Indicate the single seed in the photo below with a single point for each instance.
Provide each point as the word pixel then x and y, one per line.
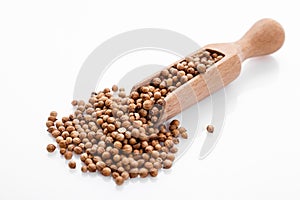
pixel 117 144
pixel 106 171
pixel 191 64
pixel 62 151
pixel 125 175
pixel 167 164
pixel 122 130
pixel 134 172
pixel 58 139
pixel 92 167
pixel 88 161
pixel 72 164
pixel 55 133
pixel 115 175
pixel 84 169
pixel 175 122
pixel 71 147
pixel 210 128
pixel 153 172
pixel 119 180
pixel 68 155
pixel 201 68
pixel 183 79
pixel 106 155
pixel 111 127
pixel 77 150
pixel 100 165
pixel 148 165
pixel 157 165
pixel 74 102
pixel 184 135
pixel 147 105
pixel 170 156
pixel 51 148
pixel 63 144
pixel 114 88
pixel 143 172
pixel 127 149
pixel 156 82
pixel 53 113
pixel 157 95
pixel 165 73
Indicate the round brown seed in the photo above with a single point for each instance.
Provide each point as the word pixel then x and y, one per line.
pixel 68 155
pixel 77 150
pixel 84 169
pixel 210 128
pixel 53 113
pixel 92 167
pixel 147 105
pixel 167 164
pixel 125 175
pixel 106 171
pixel 119 180
pixel 117 144
pixel 62 151
pixel 115 175
pixel 153 172
pixel 72 164
pixel 184 135
pixel 143 172
pixel 127 148
pixel 51 148
pixel 134 172
pixel 114 88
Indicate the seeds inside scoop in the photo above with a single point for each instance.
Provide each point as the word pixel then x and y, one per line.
pixel 117 135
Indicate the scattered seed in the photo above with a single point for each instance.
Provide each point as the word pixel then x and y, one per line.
pixel 114 88
pixel 72 164
pixel 51 148
pixel 210 128
pixel 119 180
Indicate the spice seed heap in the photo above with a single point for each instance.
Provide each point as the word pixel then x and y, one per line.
pixel 117 135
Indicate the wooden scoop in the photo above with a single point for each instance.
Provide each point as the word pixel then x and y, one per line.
pixel 264 37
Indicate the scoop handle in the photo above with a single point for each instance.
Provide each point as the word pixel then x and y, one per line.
pixel 264 37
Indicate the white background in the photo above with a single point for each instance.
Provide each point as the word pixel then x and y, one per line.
pixel 42 47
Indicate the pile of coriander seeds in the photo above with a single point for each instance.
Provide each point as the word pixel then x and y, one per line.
pixel 118 135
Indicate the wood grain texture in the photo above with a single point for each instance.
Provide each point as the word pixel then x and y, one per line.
pixel 264 37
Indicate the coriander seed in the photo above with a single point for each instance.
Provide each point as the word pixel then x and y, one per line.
pixel 51 148
pixel 92 167
pixel 119 180
pixel 114 88
pixel 53 113
pixel 167 164
pixel 106 171
pixel 143 172
pixel 210 128
pixel 72 164
pixel 153 172
pixel 68 155
pixel 84 169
